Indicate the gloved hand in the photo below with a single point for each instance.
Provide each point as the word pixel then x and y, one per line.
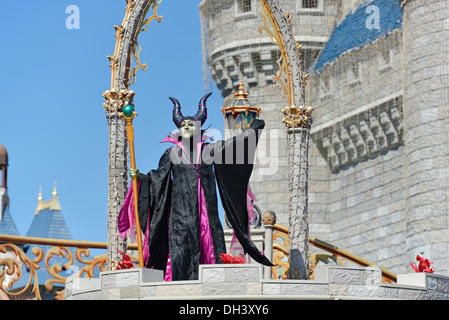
pixel 257 124
pixel 134 173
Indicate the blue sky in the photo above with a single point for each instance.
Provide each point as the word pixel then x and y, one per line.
pixel 52 120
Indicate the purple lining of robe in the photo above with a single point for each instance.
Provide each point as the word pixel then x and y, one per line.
pixel 126 220
pixel 206 245
pixel 235 248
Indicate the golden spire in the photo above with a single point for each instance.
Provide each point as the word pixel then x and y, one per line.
pixel 52 204
pixel 39 202
pixel 55 191
pixel 39 197
pixel 241 93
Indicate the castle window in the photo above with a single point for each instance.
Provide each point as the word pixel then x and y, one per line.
pixel 385 58
pixel 2 179
pixel 325 86
pixel 244 10
pixel 355 70
pixel 354 73
pixel 309 4
pixel 244 6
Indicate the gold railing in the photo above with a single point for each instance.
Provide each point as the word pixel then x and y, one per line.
pixel 13 259
pixel 11 264
pixel 280 255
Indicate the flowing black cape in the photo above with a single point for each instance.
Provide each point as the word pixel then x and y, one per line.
pixel 168 199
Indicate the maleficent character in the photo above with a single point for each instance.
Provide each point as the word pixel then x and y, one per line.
pixel 177 202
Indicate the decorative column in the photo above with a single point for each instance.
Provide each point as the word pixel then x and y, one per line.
pixel 268 220
pixel 298 121
pixel 123 74
pixel 118 168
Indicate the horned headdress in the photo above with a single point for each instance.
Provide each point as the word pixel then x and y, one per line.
pixel 200 116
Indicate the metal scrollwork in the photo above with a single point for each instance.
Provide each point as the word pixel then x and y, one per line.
pixel 280 255
pixel 99 261
pixel 14 262
pixel 14 267
pixel 55 269
pixel 289 63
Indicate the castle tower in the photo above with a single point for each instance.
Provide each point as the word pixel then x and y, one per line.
pixel 426 119
pixel 48 221
pixel 235 51
pixel 7 225
pixel 3 179
pixel 3 166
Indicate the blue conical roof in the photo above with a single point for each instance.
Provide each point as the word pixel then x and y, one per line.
pixel 49 224
pixel 7 224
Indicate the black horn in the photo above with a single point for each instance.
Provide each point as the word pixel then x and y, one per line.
pixel 177 114
pixel 201 115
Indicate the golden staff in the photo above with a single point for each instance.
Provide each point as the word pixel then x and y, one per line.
pixel 128 113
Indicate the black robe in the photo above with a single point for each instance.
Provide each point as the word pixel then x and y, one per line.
pixel 169 200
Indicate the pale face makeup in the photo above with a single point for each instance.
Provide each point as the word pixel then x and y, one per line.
pixel 188 129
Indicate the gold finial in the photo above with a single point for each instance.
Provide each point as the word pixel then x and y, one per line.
pixel 269 218
pixel 239 105
pixel 39 197
pixel 39 201
pixel 55 191
pixel 54 203
pixel 241 93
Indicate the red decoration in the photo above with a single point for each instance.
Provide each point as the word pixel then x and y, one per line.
pixel 125 263
pixel 228 259
pixel 424 265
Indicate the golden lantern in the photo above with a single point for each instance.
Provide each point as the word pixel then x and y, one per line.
pixel 240 113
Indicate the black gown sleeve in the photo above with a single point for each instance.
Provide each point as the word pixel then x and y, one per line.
pixel 233 164
pixel 153 205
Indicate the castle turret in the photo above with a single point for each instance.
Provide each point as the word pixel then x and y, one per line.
pixel 426 135
pixel 3 166
pixel 7 225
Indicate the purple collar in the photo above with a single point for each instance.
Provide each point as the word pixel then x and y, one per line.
pixel 199 144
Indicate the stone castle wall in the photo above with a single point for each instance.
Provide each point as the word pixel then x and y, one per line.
pixel 356 165
pixel 378 163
